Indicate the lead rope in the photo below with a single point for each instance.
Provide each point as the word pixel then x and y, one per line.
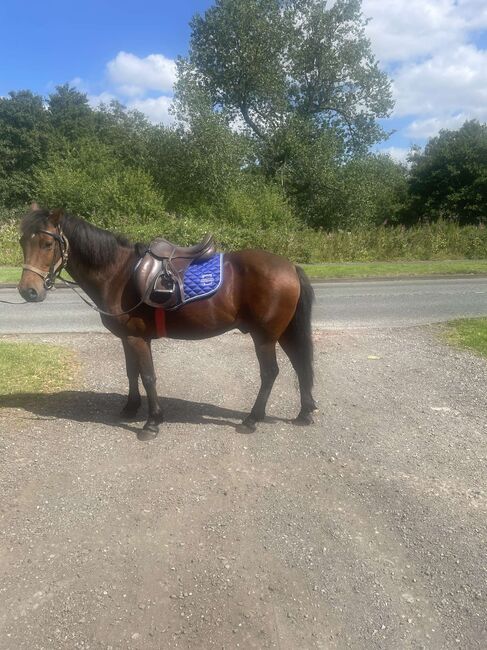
pixel 9 302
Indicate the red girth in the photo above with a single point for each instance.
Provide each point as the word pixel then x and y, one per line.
pixel 160 319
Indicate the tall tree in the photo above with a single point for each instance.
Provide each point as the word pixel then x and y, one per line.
pixel 265 61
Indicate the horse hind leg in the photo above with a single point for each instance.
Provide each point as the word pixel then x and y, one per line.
pixel 305 377
pixel 266 355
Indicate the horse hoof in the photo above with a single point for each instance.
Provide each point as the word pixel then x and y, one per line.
pixel 149 432
pixel 128 413
pixel 303 420
pixel 246 427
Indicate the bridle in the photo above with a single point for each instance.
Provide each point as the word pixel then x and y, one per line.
pixel 55 269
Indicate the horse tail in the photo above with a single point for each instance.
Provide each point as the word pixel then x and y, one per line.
pixel 301 325
pixel 297 340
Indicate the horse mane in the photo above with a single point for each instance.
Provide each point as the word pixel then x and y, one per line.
pixel 92 245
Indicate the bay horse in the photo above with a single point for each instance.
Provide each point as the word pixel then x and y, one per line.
pixel 262 294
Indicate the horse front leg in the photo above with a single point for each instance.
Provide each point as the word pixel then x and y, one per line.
pixel 132 365
pixel 141 349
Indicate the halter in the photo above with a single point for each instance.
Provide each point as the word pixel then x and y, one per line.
pixel 55 269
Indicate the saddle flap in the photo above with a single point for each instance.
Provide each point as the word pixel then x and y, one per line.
pixel 146 273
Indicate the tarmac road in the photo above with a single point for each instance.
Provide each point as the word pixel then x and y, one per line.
pixel 339 305
pixel 365 531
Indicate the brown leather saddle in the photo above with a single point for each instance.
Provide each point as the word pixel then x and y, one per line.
pixel 159 275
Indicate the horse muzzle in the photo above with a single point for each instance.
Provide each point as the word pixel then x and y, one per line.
pixel 31 294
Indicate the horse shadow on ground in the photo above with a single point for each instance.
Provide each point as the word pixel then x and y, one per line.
pixel 104 408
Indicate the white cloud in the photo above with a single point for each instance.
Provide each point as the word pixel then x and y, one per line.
pixel 403 30
pixel 156 109
pixel 448 85
pixel 474 12
pixel 136 76
pixel 439 74
pixel 77 82
pixel 399 154
pixel 131 79
pixel 429 127
pixel 102 98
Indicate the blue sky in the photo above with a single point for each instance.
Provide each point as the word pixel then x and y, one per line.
pixel 50 42
pixel 434 50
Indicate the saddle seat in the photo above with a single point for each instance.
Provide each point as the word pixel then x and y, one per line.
pixel 159 276
pixel 163 249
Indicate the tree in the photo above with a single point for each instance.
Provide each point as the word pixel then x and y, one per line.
pixel 24 136
pixel 197 166
pixel 374 190
pixel 449 178
pixel 127 132
pixel 265 61
pixel 70 114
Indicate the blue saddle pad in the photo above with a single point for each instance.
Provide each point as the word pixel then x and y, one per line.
pixel 203 279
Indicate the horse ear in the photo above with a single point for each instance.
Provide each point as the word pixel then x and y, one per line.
pixel 55 216
pixel 34 206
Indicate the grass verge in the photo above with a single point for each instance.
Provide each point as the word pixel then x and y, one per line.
pixel 470 333
pixel 394 269
pixel 34 368
pixel 11 275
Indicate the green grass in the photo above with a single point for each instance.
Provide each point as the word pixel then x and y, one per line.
pixel 469 333
pixel 11 275
pixel 394 269
pixel 34 368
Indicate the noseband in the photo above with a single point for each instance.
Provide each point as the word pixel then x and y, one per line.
pixel 55 269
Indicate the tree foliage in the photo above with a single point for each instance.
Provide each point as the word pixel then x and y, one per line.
pixel 24 139
pixel 277 110
pixel 299 78
pixel 449 178
pixel 266 61
pixel 86 178
pixel 197 166
pixel 70 114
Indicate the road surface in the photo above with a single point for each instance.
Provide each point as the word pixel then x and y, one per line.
pixel 339 305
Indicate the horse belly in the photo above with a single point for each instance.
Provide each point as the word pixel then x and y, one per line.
pixel 199 320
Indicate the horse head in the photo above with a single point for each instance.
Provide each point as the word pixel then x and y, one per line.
pixel 45 252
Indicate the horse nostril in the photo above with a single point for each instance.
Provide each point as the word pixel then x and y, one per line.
pixel 31 294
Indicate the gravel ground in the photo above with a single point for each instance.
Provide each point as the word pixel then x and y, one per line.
pixel 367 530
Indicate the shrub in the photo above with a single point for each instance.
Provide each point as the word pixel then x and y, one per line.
pixel 88 180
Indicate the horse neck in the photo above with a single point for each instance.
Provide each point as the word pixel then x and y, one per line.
pixel 96 258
